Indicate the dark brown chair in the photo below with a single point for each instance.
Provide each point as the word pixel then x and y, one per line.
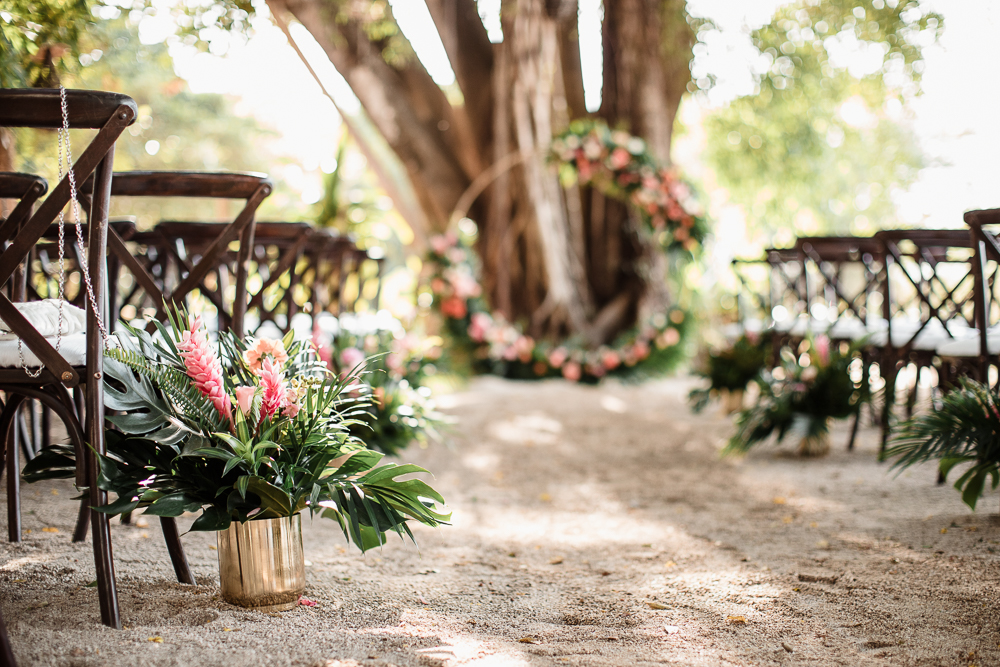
pixel 110 114
pixel 986 265
pixel 6 653
pixel 175 259
pixel 928 288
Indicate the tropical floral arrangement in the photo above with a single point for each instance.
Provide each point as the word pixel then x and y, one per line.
pixel 400 409
pixel 965 429
pixel 496 346
pixel 620 165
pixel 240 432
pixel 802 396
pixel 732 369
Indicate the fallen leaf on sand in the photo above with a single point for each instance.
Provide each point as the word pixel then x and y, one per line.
pixel 669 564
pixel 213 548
pixel 656 605
pixel 156 640
pixel 787 519
pixel 48 529
pixel 671 629
pixel 737 619
pixel 556 561
pixel 528 640
pixel 779 500
pixel 943 530
pixel 545 498
pixel 55 492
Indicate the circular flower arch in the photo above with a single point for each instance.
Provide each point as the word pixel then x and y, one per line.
pixel 618 164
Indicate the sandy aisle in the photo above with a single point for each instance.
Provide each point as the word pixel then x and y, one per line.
pixel 593 526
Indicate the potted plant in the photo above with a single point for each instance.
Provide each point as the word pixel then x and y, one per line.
pixel 965 429
pixel 802 396
pixel 249 437
pixel 730 371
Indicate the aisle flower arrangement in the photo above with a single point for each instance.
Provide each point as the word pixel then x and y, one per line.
pixel 400 409
pixel 963 432
pixel 729 371
pixel 621 166
pixel 502 348
pixel 242 432
pixel 802 396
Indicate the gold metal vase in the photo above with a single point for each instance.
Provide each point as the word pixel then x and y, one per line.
pixel 261 564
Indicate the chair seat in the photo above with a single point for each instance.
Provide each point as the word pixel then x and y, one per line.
pixel 734 330
pixel 968 346
pixel 930 338
pixel 73 349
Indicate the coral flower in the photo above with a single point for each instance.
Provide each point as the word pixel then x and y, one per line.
pixel 204 368
pixel 454 308
pixel 244 398
pixel 263 348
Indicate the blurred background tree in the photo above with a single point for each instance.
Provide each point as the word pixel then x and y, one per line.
pixel 817 145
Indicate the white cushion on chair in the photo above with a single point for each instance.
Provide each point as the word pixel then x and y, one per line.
pixel 968 346
pixel 44 316
pixel 73 349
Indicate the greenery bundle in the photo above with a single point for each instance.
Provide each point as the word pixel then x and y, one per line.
pixel 227 435
pixel 964 429
pixel 732 369
pixel 801 395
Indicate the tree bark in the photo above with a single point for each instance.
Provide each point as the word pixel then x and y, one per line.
pixel 565 261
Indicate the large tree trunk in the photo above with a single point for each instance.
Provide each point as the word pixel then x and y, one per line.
pixel 563 261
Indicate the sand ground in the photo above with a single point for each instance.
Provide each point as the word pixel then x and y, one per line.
pixel 592 526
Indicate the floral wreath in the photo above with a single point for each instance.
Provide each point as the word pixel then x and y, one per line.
pixel 619 165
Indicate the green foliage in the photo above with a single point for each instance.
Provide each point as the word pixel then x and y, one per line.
pixel 732 369
pixel 174 452
pixel 793 152
pixel 965 429
pixel 38 38
pixel 801 397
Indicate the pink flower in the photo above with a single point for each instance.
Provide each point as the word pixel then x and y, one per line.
pixel 572 371
pixel 557 357
pixel 619 158
pixel 350 358
pixel 611 360
pixel 263 348
pixel 244 398
pixel 273 382
pixel 290 407
pixel 823 350
pixel 479 327
pixel 204 368
pixel 440 244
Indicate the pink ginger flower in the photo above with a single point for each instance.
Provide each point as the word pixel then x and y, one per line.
pixel 204 368
pixel 273 382
pixel 557 357
pixel 479 327
pixel 572 371
pixel 619 158
pixel 262 349
pixel 823 350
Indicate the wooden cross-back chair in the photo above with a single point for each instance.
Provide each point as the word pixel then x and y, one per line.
pixel 26 190
pixel 986 265
pixel 841 276
pixel 928 288
pixel 173 260
pixel 109 114
pixel 332 258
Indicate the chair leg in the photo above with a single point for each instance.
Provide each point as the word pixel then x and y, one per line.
pixel 854 430
pixel 82 521
pixel 6 652
pixel 13 467
pixel 890 399
pixel 173 539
